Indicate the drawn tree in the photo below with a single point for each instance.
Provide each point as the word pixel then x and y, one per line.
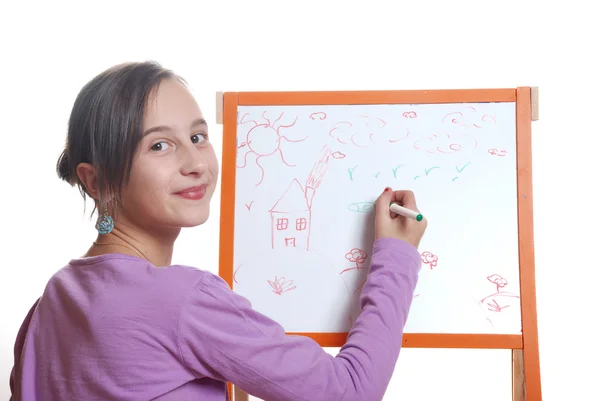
pixel 498 280
pixel 358 256
pixel 496 302
pixel 429 259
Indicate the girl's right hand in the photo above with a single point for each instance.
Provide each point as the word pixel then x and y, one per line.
pixel 391 225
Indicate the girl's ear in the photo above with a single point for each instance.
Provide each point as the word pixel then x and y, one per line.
pixel 88 177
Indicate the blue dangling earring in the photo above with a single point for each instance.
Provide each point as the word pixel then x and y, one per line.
pixel 105 224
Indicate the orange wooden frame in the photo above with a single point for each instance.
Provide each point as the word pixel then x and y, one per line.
pixel 528 340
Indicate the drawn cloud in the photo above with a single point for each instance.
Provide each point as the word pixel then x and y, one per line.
pixel 361 131
pixel 445 143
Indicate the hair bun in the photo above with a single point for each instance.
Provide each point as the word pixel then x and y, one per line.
pixel 63 169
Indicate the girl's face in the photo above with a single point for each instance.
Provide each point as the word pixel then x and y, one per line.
pixel 175 170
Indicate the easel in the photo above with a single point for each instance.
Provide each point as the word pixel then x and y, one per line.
pixel 526 381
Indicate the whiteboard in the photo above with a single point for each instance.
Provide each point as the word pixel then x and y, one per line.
pixel 306 181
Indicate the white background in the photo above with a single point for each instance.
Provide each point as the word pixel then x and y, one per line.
pixel 49 50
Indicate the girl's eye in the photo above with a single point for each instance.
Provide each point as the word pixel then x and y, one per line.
pixel 159 146
pixel 199 138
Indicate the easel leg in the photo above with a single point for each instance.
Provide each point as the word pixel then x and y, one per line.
pixel 239 394
pixel 518 375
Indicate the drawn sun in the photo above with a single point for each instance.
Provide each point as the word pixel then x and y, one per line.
pixel 264 140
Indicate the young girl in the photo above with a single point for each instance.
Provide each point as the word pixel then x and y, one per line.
pixel 122 323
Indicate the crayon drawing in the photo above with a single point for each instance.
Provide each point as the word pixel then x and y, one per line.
pixel 307 182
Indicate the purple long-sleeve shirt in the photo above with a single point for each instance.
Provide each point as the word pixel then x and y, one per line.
pixel 114 327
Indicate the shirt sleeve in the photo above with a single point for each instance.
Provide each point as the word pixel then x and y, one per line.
pixel 18 349
pixel 223 338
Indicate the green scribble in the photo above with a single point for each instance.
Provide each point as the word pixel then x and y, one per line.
pixel 377 175
pixel 395 169
pixel 462 168
pixel 428 170
pixel 416 176
pixel 361 207
pixel 351 171
pixel 455 178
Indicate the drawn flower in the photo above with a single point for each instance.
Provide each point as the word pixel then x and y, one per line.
pixel 429 259
pixel 498 280
pixel 280 285
pixel 357 256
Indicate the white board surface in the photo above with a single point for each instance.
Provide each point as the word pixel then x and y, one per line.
pixel 306 180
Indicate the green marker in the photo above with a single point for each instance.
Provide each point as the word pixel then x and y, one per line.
pixel 402 211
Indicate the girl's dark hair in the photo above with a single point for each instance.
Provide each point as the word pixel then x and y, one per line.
pixel 106 123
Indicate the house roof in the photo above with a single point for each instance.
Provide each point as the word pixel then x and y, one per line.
pixel 292 200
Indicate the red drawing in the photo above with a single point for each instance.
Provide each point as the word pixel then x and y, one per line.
pixel 445 143
pixel 355 277
pixel 361 133
pixel 319 115
pixel 488 118
pixel 338 155
pixel 264 140
pixel 469 118
pixel 291 214
pixel 376 121
pixel 497 152
pixel 409 114
pixel 235 273
pixel 356 284
pixel 429 259
pixel 400 138
pixel 355 255
pixel 249 205
pixel 496 302
pixel 281 285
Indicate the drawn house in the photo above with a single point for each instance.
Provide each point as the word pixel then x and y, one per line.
pixel 291 214
pixel 290 218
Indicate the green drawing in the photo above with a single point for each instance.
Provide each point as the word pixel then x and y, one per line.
pixel 462 168
pixel 351 171
pixel 428 170
pixel 395 169
pixel 361 207
pixel 377 175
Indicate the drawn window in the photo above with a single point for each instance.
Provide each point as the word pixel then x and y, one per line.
pixel 290 242
pixel 282 224
pixel 301 224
